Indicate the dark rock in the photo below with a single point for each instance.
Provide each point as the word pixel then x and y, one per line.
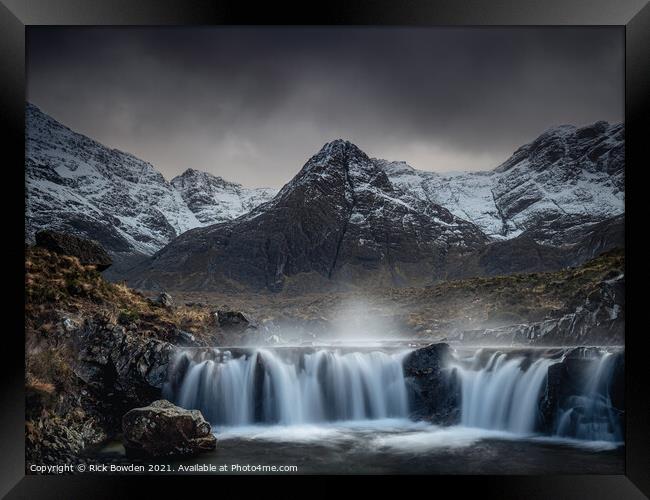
pixel 185 338
pixel 64 443
pixel 519 254
pixel 553 244
pixel 163 429
pixel 88 252
pixel 598 319
pixel 113 360
pixel 434 386
pixel 234 320
pixel 165 300
pixel 566 387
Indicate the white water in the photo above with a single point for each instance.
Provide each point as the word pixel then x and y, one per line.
pixel 502 395
pixel 505 394
pixel 323 386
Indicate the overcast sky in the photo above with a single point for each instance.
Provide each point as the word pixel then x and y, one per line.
pixel 253 104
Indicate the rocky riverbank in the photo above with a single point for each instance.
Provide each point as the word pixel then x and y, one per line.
pixel 94 350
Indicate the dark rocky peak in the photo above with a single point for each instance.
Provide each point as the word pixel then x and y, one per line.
pixel 340 219
pixel 596 148
pixel 337 154
pixel 340 148
pixel 339 166
pixel 545 149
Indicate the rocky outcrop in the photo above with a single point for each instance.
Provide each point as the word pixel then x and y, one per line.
pixel 434 387
pixel 599 319
pixel 574 242
pixel 237 320
pixel 184 338
pixel 102 370
pixel 123 368
pixel 163 429
pixel 165 300
pixel 52 440
pixel 87 251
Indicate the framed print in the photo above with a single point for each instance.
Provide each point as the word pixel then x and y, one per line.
pixel 375 241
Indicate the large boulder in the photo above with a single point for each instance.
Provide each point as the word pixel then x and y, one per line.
pixel 88 252
pixel 236 320
pixel 163 429
pixel 165 300
pixel 434 385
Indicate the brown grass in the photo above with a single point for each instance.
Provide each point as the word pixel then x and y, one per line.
pixel 55 283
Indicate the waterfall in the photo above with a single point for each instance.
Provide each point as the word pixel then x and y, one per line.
pixel 506 391
pixel 265 386
pixel 590 414
pixel 503 394
pixel 563 392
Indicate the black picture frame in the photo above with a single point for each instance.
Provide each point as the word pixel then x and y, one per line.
pixel 16 15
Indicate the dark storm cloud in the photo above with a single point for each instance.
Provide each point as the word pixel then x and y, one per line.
pixel 252 104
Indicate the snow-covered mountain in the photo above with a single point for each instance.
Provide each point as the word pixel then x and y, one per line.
pixel 76 184
pixel 348 219
pixel 339 219
pixel 213 199
pixel 344 218
pixel 565 178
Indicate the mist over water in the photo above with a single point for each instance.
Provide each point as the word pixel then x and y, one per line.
pixel 359 320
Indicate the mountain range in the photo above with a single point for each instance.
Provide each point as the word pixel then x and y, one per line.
pixel 345 219
pixel 75 184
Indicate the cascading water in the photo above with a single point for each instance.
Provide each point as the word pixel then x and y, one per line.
pixel 504 394
pixel 464 409
pixel 560 392
pixel 506 391
pixel 263 386
pixel 590 414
